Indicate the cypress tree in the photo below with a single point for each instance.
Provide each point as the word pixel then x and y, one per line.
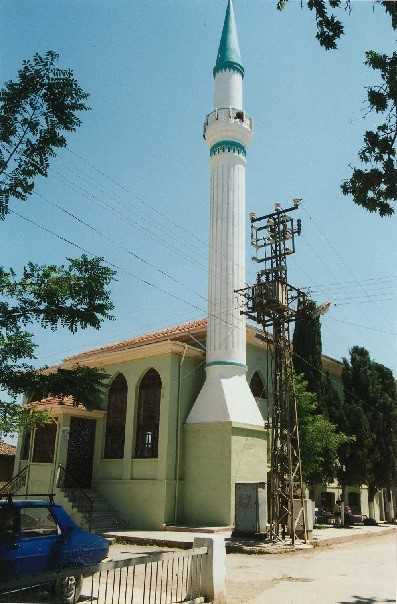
pixel 370 412
pixel 307 346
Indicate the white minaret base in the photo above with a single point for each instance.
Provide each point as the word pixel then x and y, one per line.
pixel 226 397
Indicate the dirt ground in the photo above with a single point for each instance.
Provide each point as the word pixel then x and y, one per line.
pixel 356 573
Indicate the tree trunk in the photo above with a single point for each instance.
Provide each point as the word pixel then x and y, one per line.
pixel 371 503
pixel 389 511
pixel 342 506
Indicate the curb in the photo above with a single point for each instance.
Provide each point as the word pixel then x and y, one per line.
pixel 267 550
pixel 238 548
pixel 148 541
pixel 351 538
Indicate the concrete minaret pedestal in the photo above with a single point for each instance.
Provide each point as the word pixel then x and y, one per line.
pixel 224 430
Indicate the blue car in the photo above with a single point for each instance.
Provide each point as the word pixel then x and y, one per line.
pixel 38 537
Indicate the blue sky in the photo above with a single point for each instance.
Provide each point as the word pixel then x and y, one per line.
pixel 137 169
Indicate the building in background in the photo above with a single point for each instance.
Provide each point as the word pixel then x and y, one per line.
pixel 7 459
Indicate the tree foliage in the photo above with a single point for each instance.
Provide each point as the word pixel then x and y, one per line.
pixel 307 360
pixel 366 413
pixel 320 440
pixel 319 403
pixel 71 296
pixel 36 111
pixel 307 345
pixel 373 183
pixel 371 416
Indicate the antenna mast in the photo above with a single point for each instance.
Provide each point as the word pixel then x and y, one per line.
pixel 273 303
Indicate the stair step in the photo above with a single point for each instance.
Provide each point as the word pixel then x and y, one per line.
pixel 103 518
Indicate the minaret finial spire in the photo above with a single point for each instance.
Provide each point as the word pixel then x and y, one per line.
pixel 229 56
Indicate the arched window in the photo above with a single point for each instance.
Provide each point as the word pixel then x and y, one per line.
pixel 258 389
pixel 257 386
pixel 148 417
pixel 115 422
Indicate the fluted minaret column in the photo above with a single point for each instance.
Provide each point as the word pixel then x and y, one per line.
pixel 227 131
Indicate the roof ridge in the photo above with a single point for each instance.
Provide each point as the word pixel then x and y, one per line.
pixel 144 338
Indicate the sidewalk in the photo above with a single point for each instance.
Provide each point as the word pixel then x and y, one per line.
pixel 329 536
pixel 184 539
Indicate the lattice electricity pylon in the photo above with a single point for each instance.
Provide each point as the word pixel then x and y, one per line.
pixel 272 302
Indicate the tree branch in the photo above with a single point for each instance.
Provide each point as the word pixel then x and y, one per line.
pixel 16 147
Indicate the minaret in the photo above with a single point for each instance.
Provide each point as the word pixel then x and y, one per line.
pixel 227 130
pixel 224 439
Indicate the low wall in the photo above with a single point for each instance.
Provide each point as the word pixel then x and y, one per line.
pixel 140 503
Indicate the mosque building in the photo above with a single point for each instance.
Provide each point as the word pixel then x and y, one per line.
pixel 187 412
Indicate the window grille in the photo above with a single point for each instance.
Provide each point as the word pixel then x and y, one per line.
pixel 116 417
pixel 148 415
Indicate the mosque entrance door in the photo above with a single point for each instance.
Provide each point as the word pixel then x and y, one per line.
pixel 80 452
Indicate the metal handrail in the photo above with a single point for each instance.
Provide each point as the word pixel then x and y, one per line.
pixel 67 482
pixel 230 113
pixel 16 483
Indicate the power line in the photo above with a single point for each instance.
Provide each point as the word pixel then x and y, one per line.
pixel 142 202
pixel 181 253
pixel 126 219
pixel 376 301
pixel 336 252
pixel 122 247
pixel 387 333
pixel 117 267
pixel 90 182
pixel 114 242
pixel 343 284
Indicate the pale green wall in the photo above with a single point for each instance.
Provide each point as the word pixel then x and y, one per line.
pixel 140 503
pixel 143 490
pixel 207 474
pixel 211 457
pixel 216 457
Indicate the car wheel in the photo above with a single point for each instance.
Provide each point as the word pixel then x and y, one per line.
pixel 67 590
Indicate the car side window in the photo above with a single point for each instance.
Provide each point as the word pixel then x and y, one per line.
pixel 37 522
pixel 7 522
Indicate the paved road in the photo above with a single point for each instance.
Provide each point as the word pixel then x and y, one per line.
pixel 358 573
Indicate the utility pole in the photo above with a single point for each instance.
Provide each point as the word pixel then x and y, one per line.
pixel 272 303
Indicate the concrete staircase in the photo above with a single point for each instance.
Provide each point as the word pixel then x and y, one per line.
pixel 103 519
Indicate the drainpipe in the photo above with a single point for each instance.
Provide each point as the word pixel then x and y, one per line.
pixel 54 475
pixel 30 456
pixel 178 434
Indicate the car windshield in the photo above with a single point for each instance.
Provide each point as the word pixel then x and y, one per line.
pixel 36 522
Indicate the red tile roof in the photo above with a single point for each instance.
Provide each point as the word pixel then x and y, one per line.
pixel 7 449
pixel 177 332
pixel 50 401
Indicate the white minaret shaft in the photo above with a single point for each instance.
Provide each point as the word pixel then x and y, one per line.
pixel 227 130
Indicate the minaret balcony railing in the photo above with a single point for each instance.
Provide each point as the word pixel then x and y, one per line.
pixel 227 116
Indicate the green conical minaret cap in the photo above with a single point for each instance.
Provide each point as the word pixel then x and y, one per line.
pixel 229 56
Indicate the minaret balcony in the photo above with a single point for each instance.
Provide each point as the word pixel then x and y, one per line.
pixel 227 123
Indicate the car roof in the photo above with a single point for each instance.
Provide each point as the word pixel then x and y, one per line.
pixel 25 503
